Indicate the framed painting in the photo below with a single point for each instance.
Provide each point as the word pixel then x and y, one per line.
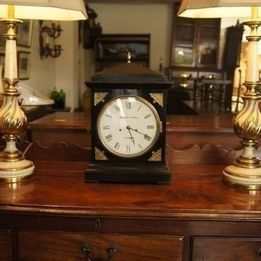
pixel 23 65
pixel 24 32
pixel 2 31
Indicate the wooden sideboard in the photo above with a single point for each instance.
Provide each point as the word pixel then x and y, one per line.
pixel 190 138
pixel 36 112
pixel 55 215
pixel 182 130
pixel 62 126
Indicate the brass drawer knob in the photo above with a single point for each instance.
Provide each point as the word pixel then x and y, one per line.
pixel 111 251
pixel 86 249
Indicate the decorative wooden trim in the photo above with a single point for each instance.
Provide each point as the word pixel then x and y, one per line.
pixel 206 154
pixel 57 151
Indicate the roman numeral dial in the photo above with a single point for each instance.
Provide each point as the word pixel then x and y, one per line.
pixel 128 126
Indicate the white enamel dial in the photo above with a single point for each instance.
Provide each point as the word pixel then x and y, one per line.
pixel 128 126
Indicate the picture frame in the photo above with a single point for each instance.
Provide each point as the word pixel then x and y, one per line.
pixel 24 65
pixel 2 58
pixel 24 32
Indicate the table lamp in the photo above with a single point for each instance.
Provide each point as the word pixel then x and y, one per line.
pixel 246 170
pixel 13 165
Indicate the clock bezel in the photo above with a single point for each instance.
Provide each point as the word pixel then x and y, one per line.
pixel 155 138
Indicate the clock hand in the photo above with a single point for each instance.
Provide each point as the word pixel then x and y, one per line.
pixel 131 137
pixel 146 136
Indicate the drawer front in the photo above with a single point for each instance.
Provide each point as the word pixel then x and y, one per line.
pixel 183 74
pixel 48 137
pixel 186 84
pixel 210 75
pixel 226 249
pixel 54 246
pixel 5 245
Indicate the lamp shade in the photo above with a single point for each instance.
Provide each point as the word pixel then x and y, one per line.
pixel 45 9
pixel 218 8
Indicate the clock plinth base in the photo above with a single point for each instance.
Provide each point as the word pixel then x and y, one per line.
pixel 143 174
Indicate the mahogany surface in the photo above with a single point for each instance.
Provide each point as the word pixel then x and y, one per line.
pixel 195 191
pixel 63 120
pixel 220 249
pixel 55 215
pixel 183 131
pixel 58 208
pixel 78 120
pixel 62 126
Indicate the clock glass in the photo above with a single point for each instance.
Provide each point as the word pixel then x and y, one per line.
pixel 128 126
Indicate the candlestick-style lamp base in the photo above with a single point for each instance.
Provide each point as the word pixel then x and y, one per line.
pixel 246 171
pixel 244 177
pixel 13 166
pixel 17 170
pixel 13 122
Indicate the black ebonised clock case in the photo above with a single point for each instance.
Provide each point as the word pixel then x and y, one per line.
pixel 128 79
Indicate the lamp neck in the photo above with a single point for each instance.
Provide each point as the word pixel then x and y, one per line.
pixel 254 13
pixel 252 70
pixel 11 11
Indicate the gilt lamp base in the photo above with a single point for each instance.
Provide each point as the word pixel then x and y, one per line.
pixel 16 170
pixel 249 178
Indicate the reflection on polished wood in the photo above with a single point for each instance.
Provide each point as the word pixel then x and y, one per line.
pixel 186 131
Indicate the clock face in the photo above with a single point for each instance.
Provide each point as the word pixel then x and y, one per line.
pixel 128 126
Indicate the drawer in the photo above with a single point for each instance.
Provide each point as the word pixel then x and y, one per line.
pixel 50 136
pixel 210 75
pixel 5 245
pixel 184 84
pixel 183 74
pixel 226 249
pixel 54 246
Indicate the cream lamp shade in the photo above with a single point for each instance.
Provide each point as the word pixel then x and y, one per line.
pixel 44 9
pixel 218 8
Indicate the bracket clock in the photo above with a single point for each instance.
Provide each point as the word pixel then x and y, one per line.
pixel 128 117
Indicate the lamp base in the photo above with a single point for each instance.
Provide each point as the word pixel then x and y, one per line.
pixel 249 178
pixel 15 170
